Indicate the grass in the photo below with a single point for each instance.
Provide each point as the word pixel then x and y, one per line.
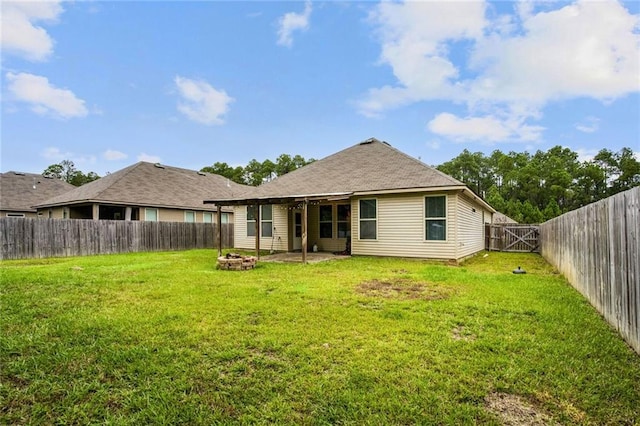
pixel 167 338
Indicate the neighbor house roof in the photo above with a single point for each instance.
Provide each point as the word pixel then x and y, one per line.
pixel 153 185
pixel 371 166
pixel 19 191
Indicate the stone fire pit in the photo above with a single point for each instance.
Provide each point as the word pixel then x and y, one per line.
pixel 237 262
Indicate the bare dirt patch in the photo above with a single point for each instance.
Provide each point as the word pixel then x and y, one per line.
pixel 513 410
pixel 402 288
pixel 460 332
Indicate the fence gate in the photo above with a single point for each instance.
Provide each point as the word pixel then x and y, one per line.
pixel 513 237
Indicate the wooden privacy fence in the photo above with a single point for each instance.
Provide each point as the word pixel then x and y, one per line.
pixel 597 249
pixel 24 238
pixel 513 237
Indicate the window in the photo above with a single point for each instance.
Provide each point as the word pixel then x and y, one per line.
pixel 344 213
pixel 151 215
pixel 266 221
pixel 225 218
pixel 207 217
pixel 251 221
pixel 326 221
pixel 368 219
pixel 189 216
pixel 435 218
pixel 65 212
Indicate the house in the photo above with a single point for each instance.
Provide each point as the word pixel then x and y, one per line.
pixel 19 192
pixel 370 199
pixel 147 192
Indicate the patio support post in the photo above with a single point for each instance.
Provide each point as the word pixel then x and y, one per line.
pixel 219 221
pixel 304 230
pixel 257 230
pixel 127 213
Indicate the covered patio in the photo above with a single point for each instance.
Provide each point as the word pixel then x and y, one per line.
pixel 301 202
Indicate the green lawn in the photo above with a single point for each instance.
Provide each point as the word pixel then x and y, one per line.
pixel 167 338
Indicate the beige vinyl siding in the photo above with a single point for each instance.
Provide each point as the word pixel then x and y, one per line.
pixel 6 213
pixel 470 227
pixel 56 212
pixel 18 214
pixel 280 235
pixel 401 228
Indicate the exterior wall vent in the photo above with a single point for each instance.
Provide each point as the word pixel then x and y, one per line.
pixel 158 165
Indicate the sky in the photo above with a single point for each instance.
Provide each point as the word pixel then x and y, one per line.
pixel 191 83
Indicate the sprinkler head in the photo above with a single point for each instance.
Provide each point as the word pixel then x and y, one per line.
pixel 519 271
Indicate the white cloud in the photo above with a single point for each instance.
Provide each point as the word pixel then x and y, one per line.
pixel 201 102
pixel 489 128
pixel 509 67
pixel 434 144
pixel 20 35
pixel 149 158
pixel 588 125
pixel 112 155
pixel 584 49
pixel 291 22
pixel 586 154
pixel 56 155
pixel 414 37
pixel 44 98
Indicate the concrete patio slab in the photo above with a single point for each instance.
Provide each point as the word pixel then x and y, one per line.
pixel 296 257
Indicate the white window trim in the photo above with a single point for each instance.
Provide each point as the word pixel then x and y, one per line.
pixel 262 221
pixel 445 218
pixel 252 222
pixel 195 218
pixel 157 214
pixel 376 219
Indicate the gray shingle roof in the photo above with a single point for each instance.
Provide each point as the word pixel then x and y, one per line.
pixel 368 166
pixel 17 192
pixel 147 184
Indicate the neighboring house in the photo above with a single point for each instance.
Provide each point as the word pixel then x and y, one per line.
pixel 19 192
pixel 372 196
pixel 146 192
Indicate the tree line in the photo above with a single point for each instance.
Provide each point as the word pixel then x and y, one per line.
pixel 66 171
pixel 255 172
pixel 529 188
pixel 532 188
